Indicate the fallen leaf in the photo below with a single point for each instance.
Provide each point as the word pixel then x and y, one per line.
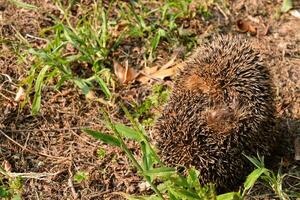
pixel 160 74
pixel 90 95
pixel 6 166
pixel 20 96
pixel 163 73
pixel 125 74
pixel 143 186
pixel 246 26
pixel 170 63
pixel 150 70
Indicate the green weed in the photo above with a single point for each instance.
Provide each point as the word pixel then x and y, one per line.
pixel 101 153
pixel 24 5
pixel 80 50
pixel 80 176
pixel 174 185
pixel 10 187
pixel 144 111
pixel 76 53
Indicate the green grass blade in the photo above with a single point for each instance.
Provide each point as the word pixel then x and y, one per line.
pixel 142 133
pixel 128 132
pixel 258 162
pixel 160 172
pixel 229 196
pixel 183 194
pixel 104 87
pixel 24 5
pixel 129 153
pixel 104 33
pixel 36 105
pixel 286 5
pixel 82 85
pixel 193 178
pixel 155 41
pixel 145 157
pixel 252 178
pixel 108 139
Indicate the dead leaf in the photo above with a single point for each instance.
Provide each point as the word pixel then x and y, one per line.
pixel 143 186
pixel 125 74
pixel 6 166
pixel 150 70
pixel 170 63
pixel 20 96
pixel 245 26
pixel 160 74
pixel 90 95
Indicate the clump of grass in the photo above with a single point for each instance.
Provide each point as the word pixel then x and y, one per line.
pixel 80 50
pixel 144 111
pixel 80 176
pixel 75 53
pixel 171 184
pixel 10 187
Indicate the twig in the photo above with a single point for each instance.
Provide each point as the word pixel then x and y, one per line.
pixel 222 11
pixel 70 183
pixel 8 77
pixel 36 38
pixel 31 175
pixel 5 97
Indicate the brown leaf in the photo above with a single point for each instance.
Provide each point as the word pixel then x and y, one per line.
pixel 125 74
pixel 6 166
pixel 170 63
pixel 90 95
pixel 246 26
pixel 160 74
pixel 20 96
pixel 150 70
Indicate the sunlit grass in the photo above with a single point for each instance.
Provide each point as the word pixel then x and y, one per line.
pixel 81 49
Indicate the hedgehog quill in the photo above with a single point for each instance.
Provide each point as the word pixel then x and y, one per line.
pixel 221 106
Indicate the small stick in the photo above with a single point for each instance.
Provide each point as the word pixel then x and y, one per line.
pixel 297 148
pixel 222 11
pixel 70 183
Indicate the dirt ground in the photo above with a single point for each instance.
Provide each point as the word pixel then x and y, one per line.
pixel 52 148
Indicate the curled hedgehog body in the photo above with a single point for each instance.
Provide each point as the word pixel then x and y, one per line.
pixel 221 107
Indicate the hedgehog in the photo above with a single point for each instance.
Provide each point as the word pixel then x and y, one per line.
pixel 221 108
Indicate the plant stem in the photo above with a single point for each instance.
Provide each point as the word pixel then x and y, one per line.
pixel 141 132
pixel 129 154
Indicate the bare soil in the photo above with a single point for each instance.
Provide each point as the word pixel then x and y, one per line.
pixel 52 143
